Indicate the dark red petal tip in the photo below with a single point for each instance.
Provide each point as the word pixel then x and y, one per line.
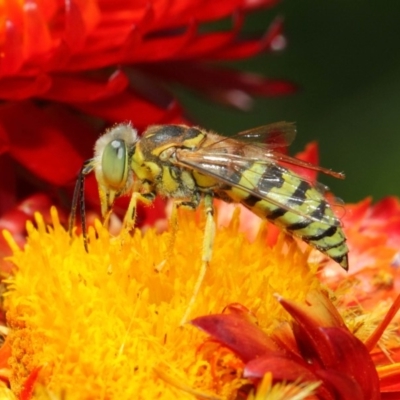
pixel 281 368
pixel 236 332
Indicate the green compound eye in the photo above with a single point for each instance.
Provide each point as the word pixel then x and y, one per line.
pixel 114 163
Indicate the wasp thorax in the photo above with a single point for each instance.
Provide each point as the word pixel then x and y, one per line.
pixel 114 163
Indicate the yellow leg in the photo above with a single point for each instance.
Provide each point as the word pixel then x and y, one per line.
pixel 208 241
pixel 130 215
pixel 128 223
pixel 173 228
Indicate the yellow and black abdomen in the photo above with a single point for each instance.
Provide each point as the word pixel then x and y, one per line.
pixel 292 203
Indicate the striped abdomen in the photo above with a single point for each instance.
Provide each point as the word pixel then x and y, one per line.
pixel 288 201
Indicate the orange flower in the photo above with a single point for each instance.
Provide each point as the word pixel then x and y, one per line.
pixel 66 335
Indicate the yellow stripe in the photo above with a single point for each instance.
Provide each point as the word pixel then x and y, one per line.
pixel 329 241
pixel 195 141
pixel 250 178
pixel 337 251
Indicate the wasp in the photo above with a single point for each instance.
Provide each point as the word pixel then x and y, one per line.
pixel 191 165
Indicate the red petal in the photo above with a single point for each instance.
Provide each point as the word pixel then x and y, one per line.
pixel 37 35
pixel 310 317
pixel 386 208
pixel 256 4
pixel 395 395
pixel 221 84
pixel 5 354
pixel 51 142
pixel 127 106
pixel 151 49
pixel 390 380
pixel 240 310
pixel 75 88
pixel 27 387
pixel 281 368
pixel 309 154
pixel 271 40
pixel 203 76
pixel 318 311
pixel 372 341
pixel 14 220
pixel 341 386
pixel 12 50
pixel 357 212
pixel 283 335
pixel 150 215
pixel 349 356
pixel 8 184
pixel 17 88
pixel 236 332
pixel 212 10
pixel 80 18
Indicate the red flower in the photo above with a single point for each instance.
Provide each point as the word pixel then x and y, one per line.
pixel 318 347
pixel 69 68
pixel 373 234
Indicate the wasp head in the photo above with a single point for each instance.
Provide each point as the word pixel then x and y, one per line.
pixel 111 162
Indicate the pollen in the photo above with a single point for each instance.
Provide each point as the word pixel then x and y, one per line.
pixel 106 324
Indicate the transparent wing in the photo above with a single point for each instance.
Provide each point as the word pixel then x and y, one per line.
pixel 264 185
pixel 277 135
pixel 263 142
pixel 273 135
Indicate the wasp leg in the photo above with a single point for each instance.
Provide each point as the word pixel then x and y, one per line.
pixel 192 204
pixel 208 241
pixel 79 198
pixel 130 215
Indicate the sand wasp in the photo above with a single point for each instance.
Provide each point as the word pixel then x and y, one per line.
pixel 190 165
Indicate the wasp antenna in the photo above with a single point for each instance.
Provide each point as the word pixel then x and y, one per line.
pixel 79 195
pixel 72 215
